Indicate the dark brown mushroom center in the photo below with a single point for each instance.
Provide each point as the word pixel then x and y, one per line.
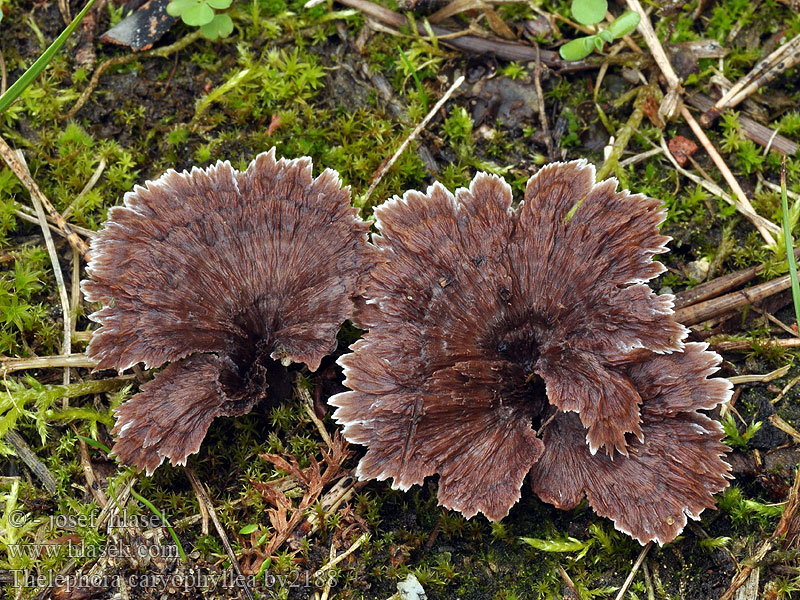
pixel 257 374
pixel 518 347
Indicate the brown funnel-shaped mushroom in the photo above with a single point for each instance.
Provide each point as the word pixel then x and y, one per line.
pixel 496 333
pixel 222 274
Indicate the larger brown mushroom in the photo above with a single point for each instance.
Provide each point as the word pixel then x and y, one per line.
pixel 505 341
pixel 224 275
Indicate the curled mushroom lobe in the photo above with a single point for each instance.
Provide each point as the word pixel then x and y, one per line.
pixel 505 341
pixel 224 275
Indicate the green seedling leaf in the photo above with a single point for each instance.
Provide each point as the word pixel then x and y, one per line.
pixel 598 42
pixel 606 36
pixel 248 529
pixel 577 49
pixel 37 67
pixel 220 26
pixel 219 4
pixel 624 24
pixel 177 7
pixel 198 14
pixel 589 12
pixel 95 443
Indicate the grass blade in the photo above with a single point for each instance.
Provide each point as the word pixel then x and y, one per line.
pixel 423 96
pixel 37 67
pixel 787 236
pixel 158 513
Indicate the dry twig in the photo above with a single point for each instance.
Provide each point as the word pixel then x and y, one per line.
pixel 760 224
pixel 623 590
pixel 671 103
pixel 784 536
pixel 747 345
pixel 9 365
pixel 478 45
pixel 26 455
pixel 720 285
pixel 784 57
pixel 753 130
pixel 417 130
pixel 21 171
pixel 88 472
pixel 702 311
pixel 121 60
pixel 742 204
pixel 198 486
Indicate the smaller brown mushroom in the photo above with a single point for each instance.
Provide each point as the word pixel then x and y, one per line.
pixel 227 276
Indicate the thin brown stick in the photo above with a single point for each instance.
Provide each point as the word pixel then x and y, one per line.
pixel 22 173
pixel 569 583
pixel 696 313
pixel 198 486
pixel 787 525
pixel 720 285
pixel 9 365
pixel 671 103
pixel 774 320
pixel 26 455
pixel 779 423
pixel 417 130
pixel 478 45
pixel 198 492
pixel 785 390
pixel 763 72
pixel 624 589
pixel 746 345
pixel 121 60
pixel 88 472
pixel 752 130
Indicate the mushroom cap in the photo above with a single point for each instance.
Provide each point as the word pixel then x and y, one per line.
pixel 219 272
pixel 666 478
pixel 488 322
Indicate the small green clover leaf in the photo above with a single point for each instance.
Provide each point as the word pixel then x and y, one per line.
pixel 202 13
pixel 192 12
pixel 198 14
pixel 589 12
pixel 220 26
